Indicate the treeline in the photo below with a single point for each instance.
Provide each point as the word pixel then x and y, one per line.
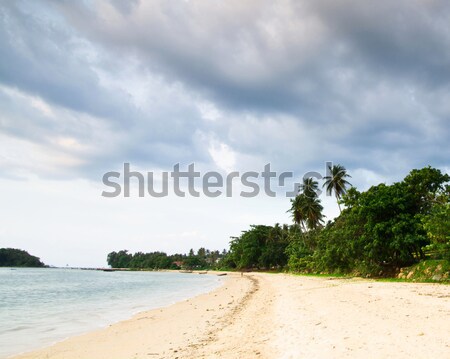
pixel 203 259
pixel 11 257
pixel 377 232
pixel 262 247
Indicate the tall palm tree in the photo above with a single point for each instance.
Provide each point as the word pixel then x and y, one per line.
pixel 312 207
pixel 313 213
pixel 306 211
pixel 297 211
pixel 337 182
pixel 309 187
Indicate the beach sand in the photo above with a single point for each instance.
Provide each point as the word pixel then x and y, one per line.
pixel 280 316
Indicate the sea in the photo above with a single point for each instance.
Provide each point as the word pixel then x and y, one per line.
pixel 41 306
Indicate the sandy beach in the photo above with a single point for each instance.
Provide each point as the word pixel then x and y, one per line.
pixel 280 316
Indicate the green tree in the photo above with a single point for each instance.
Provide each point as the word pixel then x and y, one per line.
pixel 381 229
pixel 12 257
pixel 309 187
pixel 313 212
pixel 298 250
pixel 437 225
pixel 273 254
pixel 297 211
pixel 306 208
pixel 119 259
pixel 201 252
pixel 259 247
pixel 337 182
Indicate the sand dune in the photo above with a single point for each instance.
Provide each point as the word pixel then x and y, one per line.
pixel 281 316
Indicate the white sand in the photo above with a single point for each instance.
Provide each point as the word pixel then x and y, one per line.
pixel 281 316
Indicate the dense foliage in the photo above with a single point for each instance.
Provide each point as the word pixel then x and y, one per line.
pixel 204 259
pixel 383 228
pixel 11 257
pixel 259 247
pixel 378 231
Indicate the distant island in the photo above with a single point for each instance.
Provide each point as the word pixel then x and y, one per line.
pixel 11 257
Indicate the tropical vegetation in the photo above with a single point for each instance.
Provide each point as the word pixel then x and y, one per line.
pixel 378 232
pixel 203 259
pixel 12 257
pixel 336 182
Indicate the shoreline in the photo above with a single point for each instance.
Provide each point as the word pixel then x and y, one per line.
pixel 99 313
pixel 129 328
pixel 260 315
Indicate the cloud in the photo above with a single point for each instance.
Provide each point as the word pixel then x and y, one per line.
pixel 294 83
pixel 229 85
pixel 75 89
pixel 223 156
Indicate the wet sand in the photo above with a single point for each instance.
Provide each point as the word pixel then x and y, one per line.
pixel 280 316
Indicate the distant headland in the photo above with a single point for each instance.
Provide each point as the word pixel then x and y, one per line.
pixel 11 257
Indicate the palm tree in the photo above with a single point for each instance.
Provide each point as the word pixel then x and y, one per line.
pixel 297 206
pixel 309 187
pixel 305 207
pixel 313 213
pixel 337 182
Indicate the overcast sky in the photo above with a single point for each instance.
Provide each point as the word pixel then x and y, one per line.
pixel 228 85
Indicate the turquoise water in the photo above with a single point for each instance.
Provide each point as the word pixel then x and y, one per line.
pixel 41 306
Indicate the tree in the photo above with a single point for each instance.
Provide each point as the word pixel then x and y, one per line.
pixel 274 250
pixel 434 201
pixel 437 223
pixel 299 249
pixel 309 187
pixel 297 211
pixel 337 182
pixel 11 257
pixel 382 229
pixel 259 247
pixel 119 259
pixel 305 207
pixel 201 252
pixel 160 260
pixel 429 186
pixel 313 213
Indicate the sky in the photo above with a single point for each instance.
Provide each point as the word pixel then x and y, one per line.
pixel 86 86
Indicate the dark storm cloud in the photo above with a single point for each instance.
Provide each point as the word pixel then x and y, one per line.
pixel 401 40
pixel 246 57
pixel 363 83
pixel 43 57
pixel 40 58
pixel 221 50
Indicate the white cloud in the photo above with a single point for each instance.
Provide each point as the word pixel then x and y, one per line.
pixel 209 111
pixel 223 156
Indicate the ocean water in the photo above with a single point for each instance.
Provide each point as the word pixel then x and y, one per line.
pixel 39 307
